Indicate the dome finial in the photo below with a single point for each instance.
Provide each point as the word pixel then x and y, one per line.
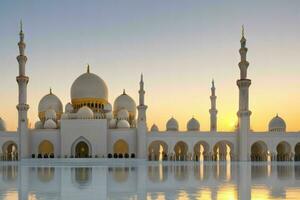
pixel 50 90
pixel 88 68
pixel 124 92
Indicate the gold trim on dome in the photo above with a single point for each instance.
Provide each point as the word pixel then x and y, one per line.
pixel 89 100
pixel 95 104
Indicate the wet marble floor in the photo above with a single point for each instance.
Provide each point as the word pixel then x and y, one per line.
pixel 150 180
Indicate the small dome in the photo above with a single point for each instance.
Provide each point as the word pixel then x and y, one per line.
pixel 154 128
pixel 65 116
pixel 123 114
pixel 193 125
pixel 50 124
pixel 112 123
pixel 49 101
pixel 107 107
pixel 50 114
pixel 69 108
pixel 123 124
pixel 85 113
pixel 108 115
pixel 125 102
pixel 2 125
pixel 38 125
pixel 172 125
pixel 277 124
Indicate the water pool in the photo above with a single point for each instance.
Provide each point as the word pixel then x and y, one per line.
pixel 147 180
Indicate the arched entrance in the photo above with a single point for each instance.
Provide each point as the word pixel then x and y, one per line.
pixel 158 150
pixel 201 150
pixel 46 147
pixel 297 152
pixel 181 149
pixel 121 147
pixel 10 151
pixel 81 148
pixel 223 151
pixel 283 151
pixel 259 151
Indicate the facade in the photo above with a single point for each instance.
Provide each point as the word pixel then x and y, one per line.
pixel 89 126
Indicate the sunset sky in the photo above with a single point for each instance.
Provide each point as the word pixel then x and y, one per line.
pixel 178 45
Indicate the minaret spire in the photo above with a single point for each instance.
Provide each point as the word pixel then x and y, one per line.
pixel 21 26
pixel 243 64
pixel 142 91
pixel 243 113
pixel 243 31
pixel 142 122
pixel 22 106
pixel 213 110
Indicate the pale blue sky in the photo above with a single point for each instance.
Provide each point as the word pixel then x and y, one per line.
pixel 178 45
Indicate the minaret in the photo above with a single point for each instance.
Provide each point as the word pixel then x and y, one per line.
pixel 22 107
pixel 243 113
pixel 213 110
pixel 142 123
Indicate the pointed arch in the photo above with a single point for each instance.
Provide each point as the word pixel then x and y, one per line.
pixel 46 147
pixel 158 150
pixel 181 150
pixel 10 150
pixel 284 150
pixel 297 152
pixel 201 149
pixel 223 150
pixel 259 151
pixel 81 148
pixel 121 147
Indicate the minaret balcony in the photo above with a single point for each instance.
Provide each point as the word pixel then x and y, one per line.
pixel 22 79
pixel 244 113
pixel 243 82
pixel 22 58
pixel 23 107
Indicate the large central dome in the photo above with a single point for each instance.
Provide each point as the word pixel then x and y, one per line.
pixel 89 90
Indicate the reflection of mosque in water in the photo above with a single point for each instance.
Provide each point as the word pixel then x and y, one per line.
pixel 63 182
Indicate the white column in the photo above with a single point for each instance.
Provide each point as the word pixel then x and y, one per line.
pixel 22 80
pixel 243 113
pixel 142 124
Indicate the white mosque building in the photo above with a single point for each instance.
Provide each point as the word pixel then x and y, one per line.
pixel 89 126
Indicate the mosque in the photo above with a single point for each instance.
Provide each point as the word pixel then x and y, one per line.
pixel 90 126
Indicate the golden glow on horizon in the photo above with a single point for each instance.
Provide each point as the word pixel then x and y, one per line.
pixel 161 108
